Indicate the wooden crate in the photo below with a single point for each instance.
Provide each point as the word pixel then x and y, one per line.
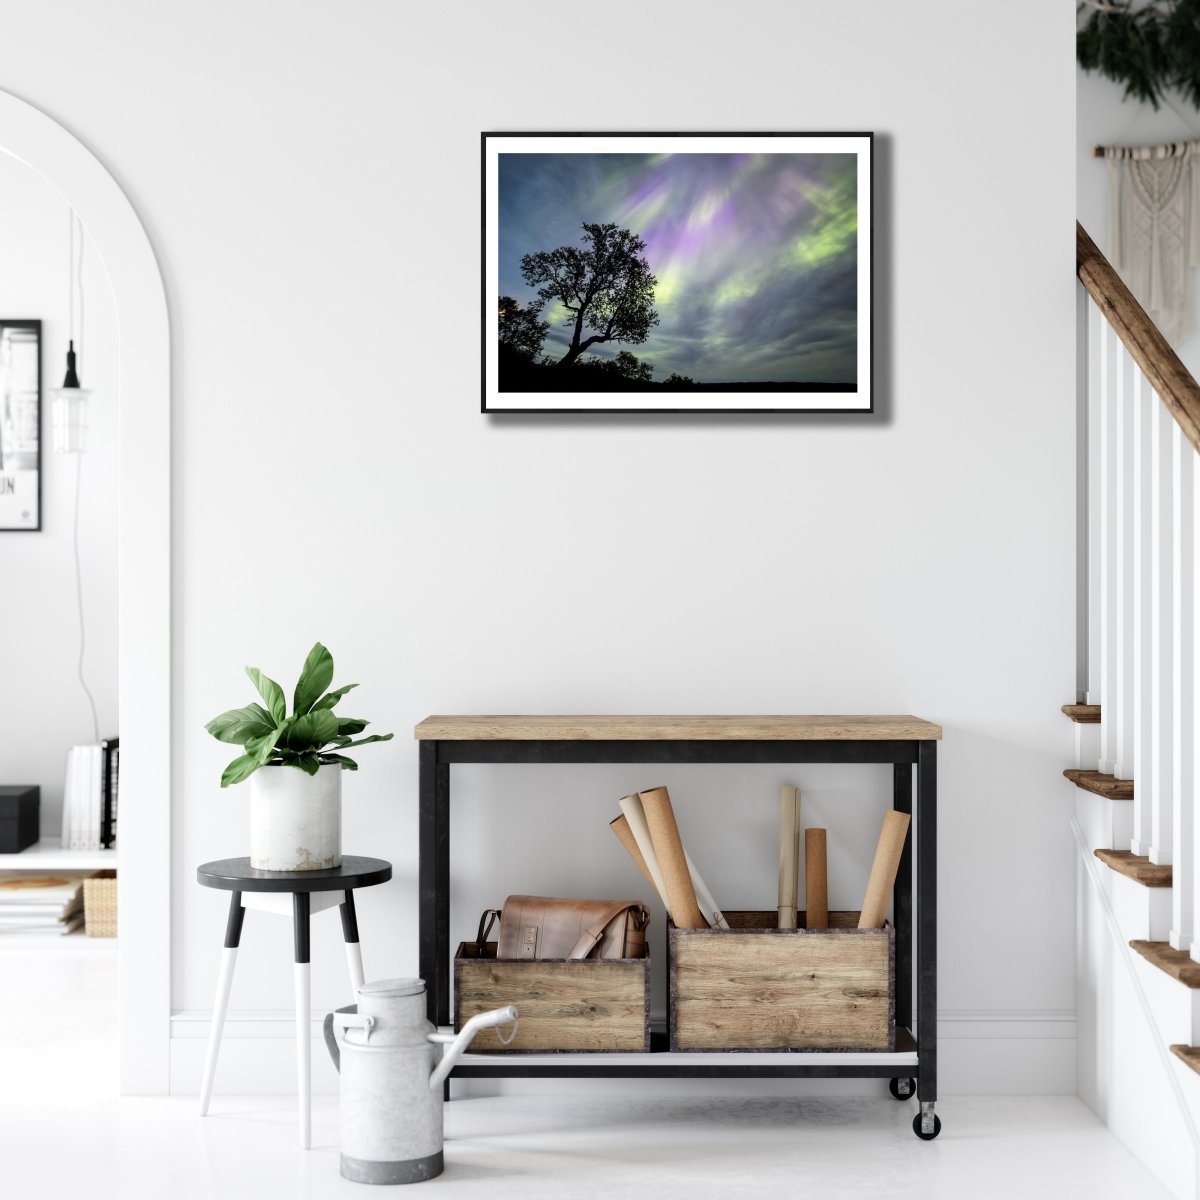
pixel 565 1005
pixel 100 904
pixel 756 987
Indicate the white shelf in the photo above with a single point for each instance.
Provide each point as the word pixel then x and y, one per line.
pixel 669 1059
pixel 57 941
pixel 48 855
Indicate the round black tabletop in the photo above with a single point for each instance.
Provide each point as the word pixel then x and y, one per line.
pixel 237 875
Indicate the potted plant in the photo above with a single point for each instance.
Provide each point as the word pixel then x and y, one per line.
pixel 294 764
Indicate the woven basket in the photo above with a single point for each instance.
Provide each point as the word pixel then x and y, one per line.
pixel 100 904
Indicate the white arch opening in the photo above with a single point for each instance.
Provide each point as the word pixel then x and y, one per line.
pixel 143 578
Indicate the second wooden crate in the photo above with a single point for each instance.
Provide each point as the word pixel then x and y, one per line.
pixel 757 987
pixel 564 1004
pixel 100 904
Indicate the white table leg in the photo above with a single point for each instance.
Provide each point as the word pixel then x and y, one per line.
pixel 233 935
pixel 304 1053
pixel 354 962
pixel 215 1029
pixel 353 946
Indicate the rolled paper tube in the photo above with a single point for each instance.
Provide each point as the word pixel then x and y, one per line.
pixel 635 818
pixel 704 898
pixel 883 869
pixel 789 817
pixel 816 880
pixel 672 862
pixel 620 826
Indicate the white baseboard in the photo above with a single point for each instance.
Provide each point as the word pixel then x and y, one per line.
pixel 980 1053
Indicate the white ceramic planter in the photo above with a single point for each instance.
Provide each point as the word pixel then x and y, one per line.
pixel 296 819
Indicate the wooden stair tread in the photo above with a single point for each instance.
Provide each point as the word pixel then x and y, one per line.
pixel 1189 1054
pixel 1136 867
pixel 1108 786
pixel 1083 714
pixel 1177 963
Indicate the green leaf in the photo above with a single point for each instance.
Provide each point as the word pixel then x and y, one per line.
pixel 348 764
pixel 263 748
pixel 270 691
pixel 241 768
pixel 331 698
pixel 309 763
pixel 311 731
pixel 241 725
pixel 315 676
pixel 351 725
pixel 375 737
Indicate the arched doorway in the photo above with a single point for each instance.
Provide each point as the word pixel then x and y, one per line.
pixel 144 577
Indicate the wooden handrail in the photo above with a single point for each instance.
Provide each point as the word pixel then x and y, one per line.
pixel 1146 345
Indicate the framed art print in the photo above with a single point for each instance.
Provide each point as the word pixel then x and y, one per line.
pixel 660 272
pixel 20 424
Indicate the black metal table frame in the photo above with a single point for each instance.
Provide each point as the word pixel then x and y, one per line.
pixel 436 758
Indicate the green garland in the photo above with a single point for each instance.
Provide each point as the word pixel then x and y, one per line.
pixel 1151 49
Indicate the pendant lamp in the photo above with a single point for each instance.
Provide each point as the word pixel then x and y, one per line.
pixel 70 402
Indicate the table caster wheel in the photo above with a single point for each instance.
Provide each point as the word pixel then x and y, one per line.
pixel 927 1137
pixel 902 1089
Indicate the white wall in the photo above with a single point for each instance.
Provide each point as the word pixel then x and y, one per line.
pixel 1106 119
pixel 43 709
pixel 313 192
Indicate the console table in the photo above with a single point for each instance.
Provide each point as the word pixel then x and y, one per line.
pixel 905 742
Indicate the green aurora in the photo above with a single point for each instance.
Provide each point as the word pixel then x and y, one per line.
pixel 756 255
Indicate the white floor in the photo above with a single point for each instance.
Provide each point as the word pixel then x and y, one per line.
pixel 63 1133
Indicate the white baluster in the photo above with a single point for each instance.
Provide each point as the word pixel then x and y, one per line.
pixel 1184 751
pixel 1095 350
pixel 1126 377
pixel 1109 372
pixel 1161 637
pixel 1146 404
pixel 1195 701
pixel 1082 443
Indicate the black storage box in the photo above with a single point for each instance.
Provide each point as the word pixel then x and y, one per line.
pixel 19 816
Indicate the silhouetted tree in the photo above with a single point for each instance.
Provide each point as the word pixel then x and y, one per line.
pixel 521 330
pixel 675 380
pixel 605 285
pixel 629 366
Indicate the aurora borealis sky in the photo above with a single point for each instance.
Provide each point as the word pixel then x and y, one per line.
pixel 755 254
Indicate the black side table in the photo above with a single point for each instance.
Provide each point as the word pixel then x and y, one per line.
pixel 310 891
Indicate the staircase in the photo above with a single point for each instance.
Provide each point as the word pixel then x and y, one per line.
pixel 1137 722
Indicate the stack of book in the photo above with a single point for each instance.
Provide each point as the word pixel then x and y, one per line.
pixel 90 796
pixel 44 902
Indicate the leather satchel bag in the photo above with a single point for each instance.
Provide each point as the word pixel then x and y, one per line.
pixel 542 927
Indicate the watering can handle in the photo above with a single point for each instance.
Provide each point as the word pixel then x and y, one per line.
pixel 343 1018
pixel 331 1042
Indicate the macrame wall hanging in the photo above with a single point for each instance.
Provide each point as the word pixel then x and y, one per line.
pixel 1154 227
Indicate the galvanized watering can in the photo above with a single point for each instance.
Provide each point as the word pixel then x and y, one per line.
pixel 392 1072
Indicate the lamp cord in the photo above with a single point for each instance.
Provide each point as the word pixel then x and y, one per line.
pixel 79 600
pixel 75 270
pixel 71 272
pixel 79 272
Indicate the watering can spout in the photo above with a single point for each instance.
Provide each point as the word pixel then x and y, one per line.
pixel 455 1050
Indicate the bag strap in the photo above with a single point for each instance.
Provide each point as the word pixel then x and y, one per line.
pixel 485 926
pixel 595 931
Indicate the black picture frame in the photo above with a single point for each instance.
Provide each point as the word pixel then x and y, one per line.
pixel 20 425
pixel 832 296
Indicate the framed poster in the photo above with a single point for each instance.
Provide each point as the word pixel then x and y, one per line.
pixel 20 425
pixel 666 272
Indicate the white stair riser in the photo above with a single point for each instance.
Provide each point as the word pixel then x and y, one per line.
pixel 1087 746
pixel 1142 913
pixel 1107 824
pixel 1176 1007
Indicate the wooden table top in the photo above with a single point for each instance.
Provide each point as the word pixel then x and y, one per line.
pixel 855 728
